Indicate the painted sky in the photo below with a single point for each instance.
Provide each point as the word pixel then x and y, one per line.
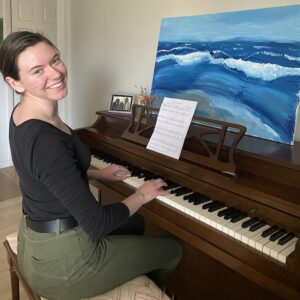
pixel 247 25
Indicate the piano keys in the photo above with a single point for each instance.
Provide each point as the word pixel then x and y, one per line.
pixel 240 234
pixel 233 222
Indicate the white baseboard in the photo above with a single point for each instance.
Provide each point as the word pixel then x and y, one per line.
pixel 5 164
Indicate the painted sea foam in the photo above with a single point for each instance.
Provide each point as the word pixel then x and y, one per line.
pixel 260 80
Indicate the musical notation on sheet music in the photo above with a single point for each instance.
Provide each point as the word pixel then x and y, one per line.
pixel 173 121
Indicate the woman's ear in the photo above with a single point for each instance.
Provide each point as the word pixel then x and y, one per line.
pixel 15 84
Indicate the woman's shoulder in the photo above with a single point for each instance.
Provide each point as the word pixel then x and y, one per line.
pixel 34 126
pixel 34 131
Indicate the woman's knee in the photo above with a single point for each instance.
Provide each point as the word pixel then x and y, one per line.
pixel 176 251
pixel 172 252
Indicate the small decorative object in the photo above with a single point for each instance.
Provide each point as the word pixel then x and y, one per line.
pixel 121 103
pixel 146 100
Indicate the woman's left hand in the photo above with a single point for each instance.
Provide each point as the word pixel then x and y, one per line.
pixel 112 172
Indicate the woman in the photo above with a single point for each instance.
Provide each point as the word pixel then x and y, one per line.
pixel 66 248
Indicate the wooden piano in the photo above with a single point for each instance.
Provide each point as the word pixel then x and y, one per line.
pixel 254 182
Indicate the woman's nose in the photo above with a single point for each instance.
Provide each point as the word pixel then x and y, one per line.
pixel 54 72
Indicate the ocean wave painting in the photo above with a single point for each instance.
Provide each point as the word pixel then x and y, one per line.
pixel 241 67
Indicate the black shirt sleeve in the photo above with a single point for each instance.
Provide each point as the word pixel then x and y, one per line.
pixel 55 165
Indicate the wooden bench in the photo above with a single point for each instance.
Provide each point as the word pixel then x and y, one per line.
pixel 139 288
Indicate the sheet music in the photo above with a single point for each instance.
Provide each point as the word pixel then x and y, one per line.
pixel 173 121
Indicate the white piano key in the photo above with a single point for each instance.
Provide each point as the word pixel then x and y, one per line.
pixel 279 248
pixel 269 246
pixel 236 226
pixel 253 239
pixel 245 234
pixel 259 244
pixel 226 226
pixel 282 256
pixel 221 223
pixel 214 218
pixel 97 163
pixel 134 181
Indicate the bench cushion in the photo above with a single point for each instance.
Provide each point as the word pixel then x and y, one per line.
pixel 140 288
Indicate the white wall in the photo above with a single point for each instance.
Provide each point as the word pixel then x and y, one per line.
pixel 5 100
pixel 113 46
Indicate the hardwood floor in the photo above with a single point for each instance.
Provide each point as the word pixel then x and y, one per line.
pixel 9 184
pixel 10 214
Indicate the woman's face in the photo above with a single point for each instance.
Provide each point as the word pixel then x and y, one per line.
pixel 42 73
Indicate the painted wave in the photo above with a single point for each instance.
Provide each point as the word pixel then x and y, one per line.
pixel 254 84
pixel 264 71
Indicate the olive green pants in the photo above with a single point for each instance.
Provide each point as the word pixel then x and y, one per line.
pixel 71 265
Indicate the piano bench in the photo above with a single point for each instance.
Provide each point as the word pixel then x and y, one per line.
pixel 139 288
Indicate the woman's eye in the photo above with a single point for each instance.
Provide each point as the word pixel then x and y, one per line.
pixel 37 72
pixel 56 60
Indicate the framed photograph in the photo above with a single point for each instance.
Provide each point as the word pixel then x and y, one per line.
pixel 121 103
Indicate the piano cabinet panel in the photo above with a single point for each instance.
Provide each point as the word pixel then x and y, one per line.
pixel 198 276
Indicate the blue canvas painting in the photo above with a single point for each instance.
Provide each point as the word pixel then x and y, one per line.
pixel 241 67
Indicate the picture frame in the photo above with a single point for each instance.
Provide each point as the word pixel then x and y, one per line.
pixel 121 103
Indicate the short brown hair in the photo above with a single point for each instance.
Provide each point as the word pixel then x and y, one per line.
pixel 13 45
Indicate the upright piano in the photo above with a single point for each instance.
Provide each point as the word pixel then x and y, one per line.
pixel 233 203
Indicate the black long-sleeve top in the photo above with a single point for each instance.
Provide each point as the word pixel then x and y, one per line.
pixel 52 168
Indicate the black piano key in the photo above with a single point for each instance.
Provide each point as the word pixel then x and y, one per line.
pixel 234 214
pixel 141 174
pixel 131 168
pixel 173 191
pixel 183 191
pixel 193 195
pixel 147 175
pixel 276 235
pixel 238 217
pixel 216 207
pixel 258 225
pixel 199 200
pixel 154 177
pixel 286 238
pixel 269 231
pixel 225 211
pixel 202 198
pixel 135 171
pixel 250 222
pixel 230 214
pixel 170 186
pixel 123 163
pixel 112 160
pixel 210 204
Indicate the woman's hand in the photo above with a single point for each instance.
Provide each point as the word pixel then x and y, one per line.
pixel 145 193
pixel 152 189
pixel 112 173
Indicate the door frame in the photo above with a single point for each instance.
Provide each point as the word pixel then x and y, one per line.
pixel 62 43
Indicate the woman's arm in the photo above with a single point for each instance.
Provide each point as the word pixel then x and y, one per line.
pixel 147 192
pixel 112 172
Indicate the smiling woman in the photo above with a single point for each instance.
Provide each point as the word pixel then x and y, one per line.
pixel 67 239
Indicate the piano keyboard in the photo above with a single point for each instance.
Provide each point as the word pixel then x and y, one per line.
pixel 268 239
